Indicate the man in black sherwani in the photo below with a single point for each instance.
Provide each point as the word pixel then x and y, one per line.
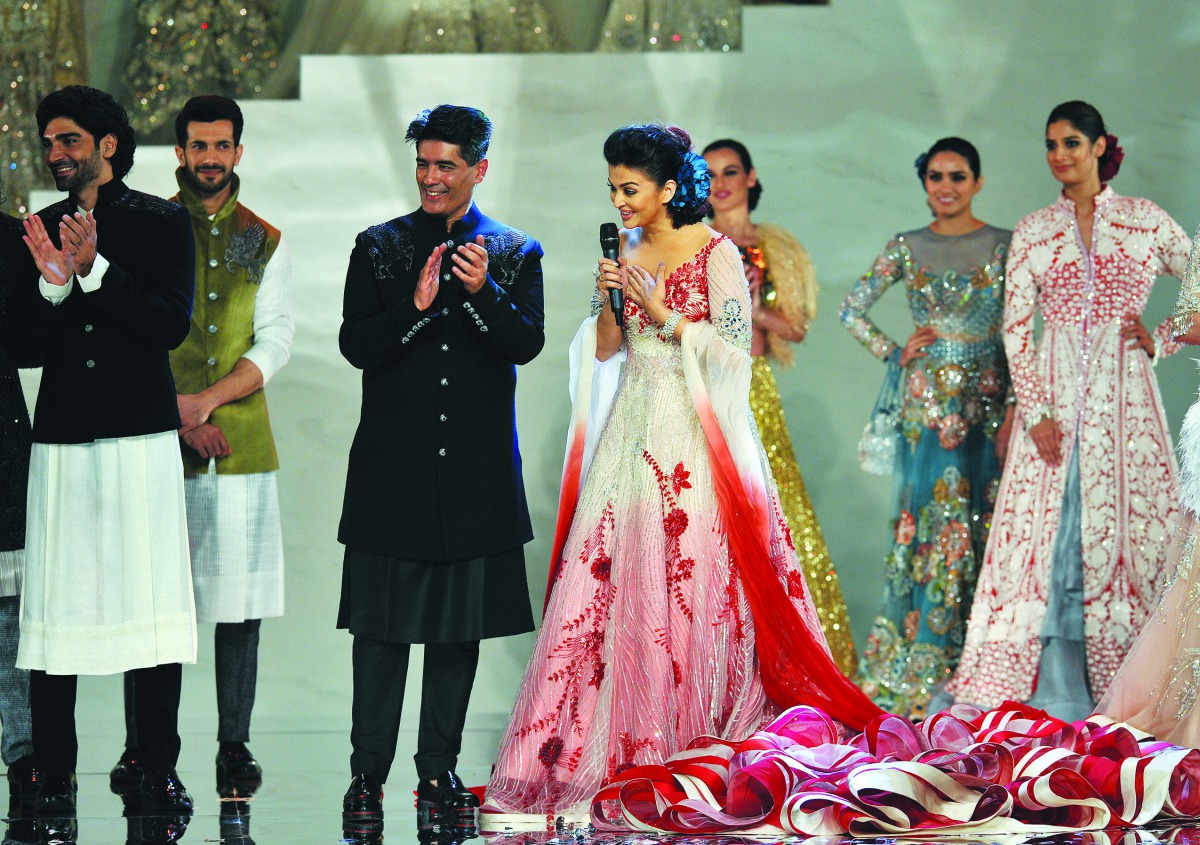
pixel 440 305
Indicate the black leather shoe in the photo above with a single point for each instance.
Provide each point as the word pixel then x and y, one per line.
pixel 363 803
pixel 22 788
pixel 163 793
pixel 56 795
pixel 238 773
pixel 447 805
pixel 21 832
pixel 126 776
pixel 155 830
pixel 60 830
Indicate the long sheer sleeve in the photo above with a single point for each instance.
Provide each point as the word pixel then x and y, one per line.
pixel 1172 246
pixel 1020 305
pixel 729 296
pixel 887 270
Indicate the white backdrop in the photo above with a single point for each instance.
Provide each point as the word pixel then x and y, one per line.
pixel 834 102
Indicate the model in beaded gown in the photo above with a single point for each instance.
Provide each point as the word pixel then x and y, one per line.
pixel 652 632
pixel 954 383
pixel 783 292
pixel 1084 515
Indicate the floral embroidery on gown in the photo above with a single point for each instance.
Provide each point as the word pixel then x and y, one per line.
pixel 946 467
pixel 649 637
pixel 1105 398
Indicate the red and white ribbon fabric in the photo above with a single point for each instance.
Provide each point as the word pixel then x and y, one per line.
pixel 1012 769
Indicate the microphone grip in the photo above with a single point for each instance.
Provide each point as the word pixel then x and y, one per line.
pixel 610 248
pixel 616 301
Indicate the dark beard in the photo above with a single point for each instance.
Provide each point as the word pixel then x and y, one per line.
pixel 204 188
pixel 86 172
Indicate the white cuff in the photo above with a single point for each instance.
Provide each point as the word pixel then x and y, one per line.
pixel 55 294
pixel 91 281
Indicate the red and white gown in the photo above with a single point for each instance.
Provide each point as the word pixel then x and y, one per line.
pixel 1105 398
pixel 650 670
pixel 669 551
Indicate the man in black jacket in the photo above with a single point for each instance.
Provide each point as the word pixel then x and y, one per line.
pixel 107 580
pixel 440 305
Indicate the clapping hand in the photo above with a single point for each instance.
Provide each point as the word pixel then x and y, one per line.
pixel 55 265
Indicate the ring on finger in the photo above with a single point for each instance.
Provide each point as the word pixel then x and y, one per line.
pixel 596 271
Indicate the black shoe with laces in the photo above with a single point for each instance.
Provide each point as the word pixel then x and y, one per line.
pixel 163 793
pixel 447 805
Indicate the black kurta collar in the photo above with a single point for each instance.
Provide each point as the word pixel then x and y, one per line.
pixel 106 194
pixel 469 222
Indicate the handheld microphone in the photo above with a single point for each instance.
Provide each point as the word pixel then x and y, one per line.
pixel 610 247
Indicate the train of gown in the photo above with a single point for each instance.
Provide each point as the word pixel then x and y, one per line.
pixel 965 771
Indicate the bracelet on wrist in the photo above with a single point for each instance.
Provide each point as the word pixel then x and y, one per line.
pixel 667 330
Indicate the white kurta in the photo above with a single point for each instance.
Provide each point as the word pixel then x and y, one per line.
pixel 233 519
pixel 108 583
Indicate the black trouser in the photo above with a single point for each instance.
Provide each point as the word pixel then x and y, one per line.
pixel 52 708
pixel 235 653
pixel 380 669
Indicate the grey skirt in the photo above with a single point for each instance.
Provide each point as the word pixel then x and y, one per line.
pixel 413 601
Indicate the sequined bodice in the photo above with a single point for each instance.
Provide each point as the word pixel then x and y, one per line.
pixel 956 285
pixel 1082 293
pixel 708 286
pixel 1118 274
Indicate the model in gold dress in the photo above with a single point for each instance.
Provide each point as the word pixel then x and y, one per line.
pixel 784 291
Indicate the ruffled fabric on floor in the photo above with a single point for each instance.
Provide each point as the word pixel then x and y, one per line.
pixel 1012 769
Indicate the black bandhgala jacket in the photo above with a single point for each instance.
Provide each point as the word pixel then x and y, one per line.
pixel 104 354
pixel 435 471
pixel 16 268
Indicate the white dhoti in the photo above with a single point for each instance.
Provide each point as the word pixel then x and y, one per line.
pixel 108 583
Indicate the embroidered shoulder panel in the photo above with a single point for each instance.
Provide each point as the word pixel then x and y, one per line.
pixel 245 250
pixel 138 201
pixel 388 246
pixel 506 254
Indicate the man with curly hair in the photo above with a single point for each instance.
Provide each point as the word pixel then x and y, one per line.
pixel 108 584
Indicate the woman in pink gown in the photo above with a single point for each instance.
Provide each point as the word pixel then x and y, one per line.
pixel 671 546
pixel 1158 684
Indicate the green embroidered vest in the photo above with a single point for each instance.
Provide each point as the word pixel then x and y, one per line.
pixel 232 249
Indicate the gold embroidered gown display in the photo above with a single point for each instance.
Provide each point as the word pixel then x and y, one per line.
pixel 634 26
pixel 477 26
pixel 792 289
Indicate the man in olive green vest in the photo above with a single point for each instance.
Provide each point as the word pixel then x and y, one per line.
pixel 240 336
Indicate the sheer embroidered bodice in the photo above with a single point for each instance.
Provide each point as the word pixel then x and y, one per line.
pixel 956 285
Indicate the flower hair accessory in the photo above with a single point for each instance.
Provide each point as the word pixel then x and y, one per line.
pixel 694 181
pixel 1110 162
pixel 920 163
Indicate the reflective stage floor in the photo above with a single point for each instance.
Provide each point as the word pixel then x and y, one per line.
pixel 305 775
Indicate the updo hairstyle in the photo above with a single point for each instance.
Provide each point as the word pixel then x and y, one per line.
pixel 662 153
pixel 1086 118
pixel 952 144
